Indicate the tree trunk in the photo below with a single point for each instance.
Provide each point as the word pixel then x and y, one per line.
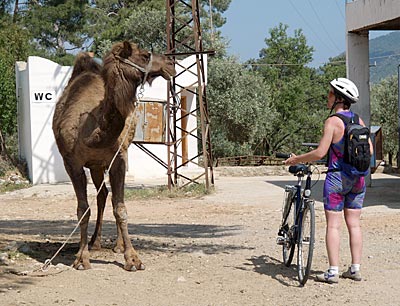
pixel 3 150
pixel 15 11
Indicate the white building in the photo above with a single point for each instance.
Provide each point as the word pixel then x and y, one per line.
pixel 40 83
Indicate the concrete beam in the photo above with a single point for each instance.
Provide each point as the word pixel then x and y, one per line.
pixel 364 15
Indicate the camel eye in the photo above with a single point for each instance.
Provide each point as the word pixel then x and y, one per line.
pixel 147 56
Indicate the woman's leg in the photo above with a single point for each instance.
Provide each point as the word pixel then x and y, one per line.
pixel 333 227
pixel 352 217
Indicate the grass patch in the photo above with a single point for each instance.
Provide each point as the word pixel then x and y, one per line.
pixel 9 186
pixel 10 169
pixel 190 191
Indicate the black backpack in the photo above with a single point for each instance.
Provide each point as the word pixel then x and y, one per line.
pixel 356 148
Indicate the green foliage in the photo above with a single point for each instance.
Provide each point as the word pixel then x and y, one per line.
pixel 57 25
pixel 239 106
pixel 144 22
pixel 5 7
pixel 8 101
pixel 293 90
pixel 384 112
pixel 335 68
pixel 8 187
pixel 146 27
pixel 14 46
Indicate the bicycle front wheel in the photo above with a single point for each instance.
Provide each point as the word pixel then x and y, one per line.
pixel 289 214
pixel 306 241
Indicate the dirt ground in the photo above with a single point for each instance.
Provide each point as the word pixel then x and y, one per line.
pixel 216 250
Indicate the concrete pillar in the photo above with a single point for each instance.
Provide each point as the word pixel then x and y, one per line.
pixel 357 64
pixel 357 58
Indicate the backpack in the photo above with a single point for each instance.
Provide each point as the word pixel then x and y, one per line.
pixel 357 155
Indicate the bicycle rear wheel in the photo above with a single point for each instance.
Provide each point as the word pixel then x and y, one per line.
pixel 288 218
pixel 306 241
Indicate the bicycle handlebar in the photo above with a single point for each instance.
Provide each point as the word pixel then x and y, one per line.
pixel 310 144
pixel 282 155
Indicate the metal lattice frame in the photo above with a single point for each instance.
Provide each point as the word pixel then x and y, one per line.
pixel 183 39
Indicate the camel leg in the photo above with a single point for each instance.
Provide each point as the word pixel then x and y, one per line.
pixel 119 245
pixel 117 181
pixel 78 179
pixel 97 175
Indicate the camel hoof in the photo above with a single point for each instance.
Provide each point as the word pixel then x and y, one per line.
pixel 95 247
pixel 130 267
pixel 80 267
pixel 118 250
pixel 133 268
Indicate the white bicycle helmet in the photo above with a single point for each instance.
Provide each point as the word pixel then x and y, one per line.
pixel 347 88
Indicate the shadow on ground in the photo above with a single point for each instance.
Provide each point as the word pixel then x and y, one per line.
pixel 267 265
pixel 41 239
pixel 383 191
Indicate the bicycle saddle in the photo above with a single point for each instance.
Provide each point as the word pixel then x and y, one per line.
pixel 298 168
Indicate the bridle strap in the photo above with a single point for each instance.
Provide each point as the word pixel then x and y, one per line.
pixel 141 69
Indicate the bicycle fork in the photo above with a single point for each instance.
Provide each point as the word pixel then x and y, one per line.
pixel 285 233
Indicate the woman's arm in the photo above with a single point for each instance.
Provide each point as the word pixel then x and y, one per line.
pixel 322 148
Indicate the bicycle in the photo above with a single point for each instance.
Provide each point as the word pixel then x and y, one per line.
pixel 298 221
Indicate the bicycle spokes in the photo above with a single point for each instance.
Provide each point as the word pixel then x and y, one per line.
pixel 306 242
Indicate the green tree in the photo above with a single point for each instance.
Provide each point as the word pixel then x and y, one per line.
pixel 384 111
pixel 56 25
pixel 283 64
pixel 5 7
pixel 239 106
pixel 14 46
pixel 335 68
pixel 144 22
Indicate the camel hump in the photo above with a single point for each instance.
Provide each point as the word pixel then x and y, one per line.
pixel 84 62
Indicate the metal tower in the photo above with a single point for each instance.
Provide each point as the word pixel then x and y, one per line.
pixel 184 39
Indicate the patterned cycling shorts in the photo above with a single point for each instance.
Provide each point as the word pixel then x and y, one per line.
pixel 341 192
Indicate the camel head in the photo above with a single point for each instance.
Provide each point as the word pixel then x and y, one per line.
pixel 136 63
pixel 126 67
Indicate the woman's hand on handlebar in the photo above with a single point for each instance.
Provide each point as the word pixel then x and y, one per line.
pixel 292 160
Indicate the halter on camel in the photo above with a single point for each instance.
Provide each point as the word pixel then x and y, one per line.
pixel 144 70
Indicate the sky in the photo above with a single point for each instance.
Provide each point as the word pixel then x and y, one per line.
pixel 322 22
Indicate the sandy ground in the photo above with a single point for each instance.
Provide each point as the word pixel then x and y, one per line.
pixel 216 250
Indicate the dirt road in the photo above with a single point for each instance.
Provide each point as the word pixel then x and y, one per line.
pixel 215 250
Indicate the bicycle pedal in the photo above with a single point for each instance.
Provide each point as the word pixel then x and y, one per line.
pixel 280 240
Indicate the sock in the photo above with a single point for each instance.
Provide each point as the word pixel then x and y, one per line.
pixel 355 267
pixel 333 269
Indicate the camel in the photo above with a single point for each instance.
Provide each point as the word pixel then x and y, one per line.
pixel 91 122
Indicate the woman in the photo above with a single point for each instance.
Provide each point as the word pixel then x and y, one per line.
pixel 341 190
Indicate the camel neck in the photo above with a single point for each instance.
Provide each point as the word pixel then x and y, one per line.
pixel 120 98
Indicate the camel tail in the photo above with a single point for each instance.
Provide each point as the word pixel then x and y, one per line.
pixel 84 63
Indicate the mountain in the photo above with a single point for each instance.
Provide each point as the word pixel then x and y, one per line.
pixel 384 54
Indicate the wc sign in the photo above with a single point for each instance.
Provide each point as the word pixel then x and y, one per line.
pixel 43 96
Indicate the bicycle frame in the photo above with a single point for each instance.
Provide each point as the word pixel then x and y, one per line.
pixel 299 195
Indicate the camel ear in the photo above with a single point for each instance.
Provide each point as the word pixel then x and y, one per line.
pixel 126 50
